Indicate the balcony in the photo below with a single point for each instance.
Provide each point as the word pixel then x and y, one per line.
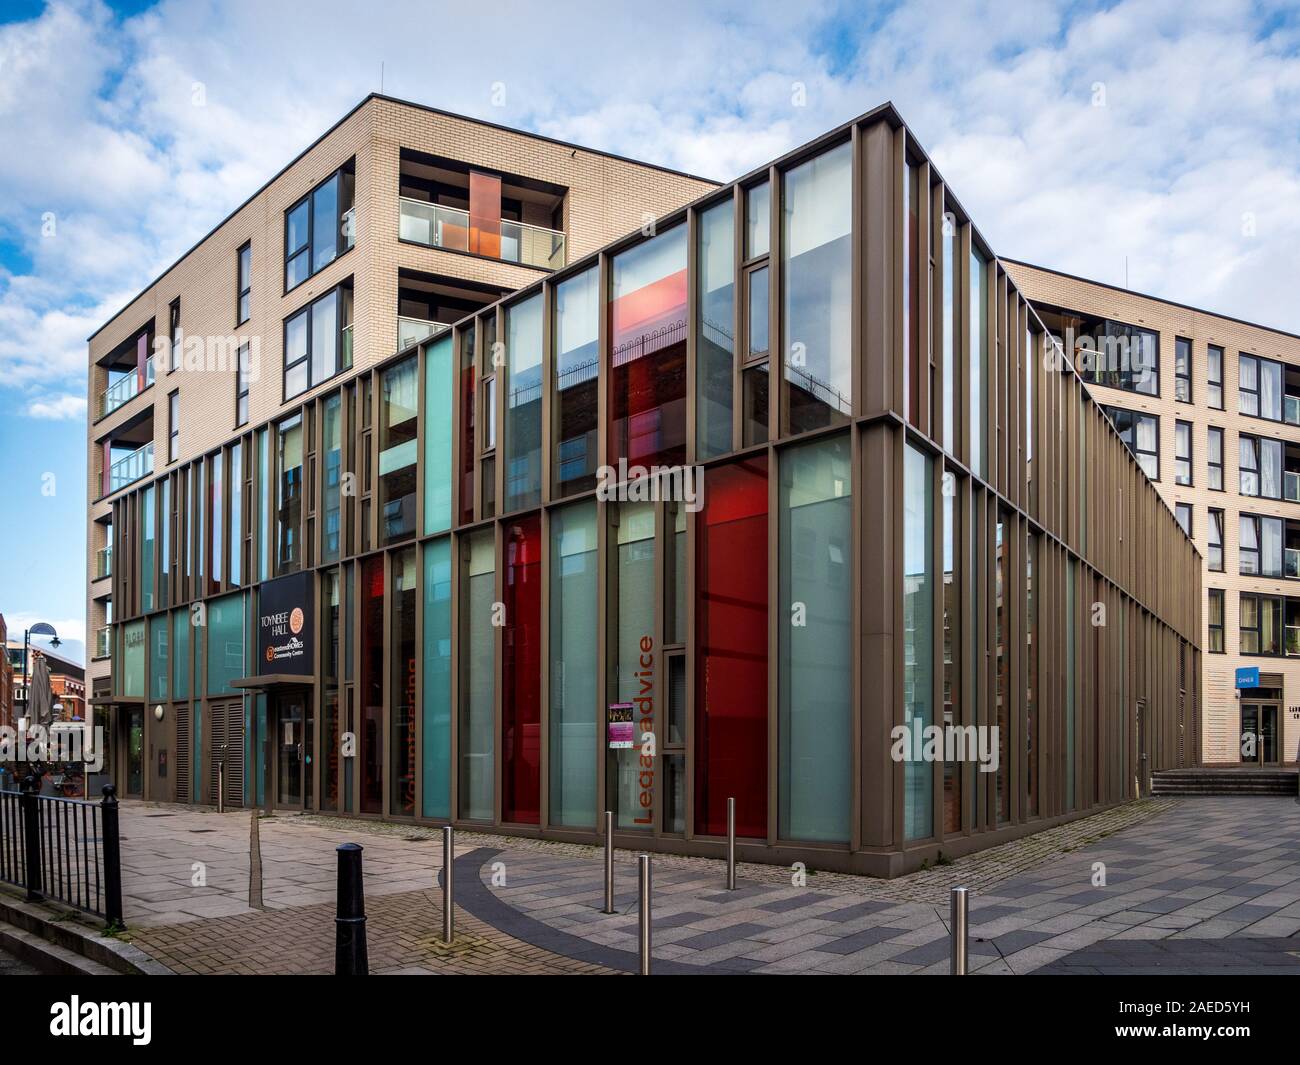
pixel 124 389
pixel 131 467
pixel 104 562
pixel 437 226
pixel 103 642
pixel 413 330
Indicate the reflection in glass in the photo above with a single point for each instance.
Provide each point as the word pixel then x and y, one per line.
pixel 715 342
pixel 577 371
pixel 918 637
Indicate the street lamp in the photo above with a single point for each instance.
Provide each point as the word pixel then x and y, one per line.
pixel 41 628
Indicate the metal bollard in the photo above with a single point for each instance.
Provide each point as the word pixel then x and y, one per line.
pixel 350 955
pixel 112 833
pixel 448 872
pixel 643 868
pixel 959 929
pixel 609 862
pixel 30 807
pixel 731 844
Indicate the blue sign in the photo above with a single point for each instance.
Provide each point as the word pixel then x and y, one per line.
pixel 1248 677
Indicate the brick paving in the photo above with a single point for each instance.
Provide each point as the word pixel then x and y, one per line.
pixel 1191 884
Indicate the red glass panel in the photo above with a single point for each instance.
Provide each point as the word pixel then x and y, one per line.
pixel 521 673
pixel 648 367
pixel 372 685
pixel 467 381
pixel 731 662
pixel 485 214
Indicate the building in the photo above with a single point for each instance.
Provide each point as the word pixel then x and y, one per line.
pixel 67 680
pixel 6 678
pixel 1214 418
pixel 417 592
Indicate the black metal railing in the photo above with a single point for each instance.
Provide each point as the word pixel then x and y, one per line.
pixel 68 850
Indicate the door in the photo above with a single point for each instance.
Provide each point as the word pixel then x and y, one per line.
pixel 133 716
pixel 290 749
pixel 1251 747
pixel 162 746
pixel 1143 780
pixel 1268 745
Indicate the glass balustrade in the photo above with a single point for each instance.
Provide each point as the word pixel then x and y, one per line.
pixel 131 467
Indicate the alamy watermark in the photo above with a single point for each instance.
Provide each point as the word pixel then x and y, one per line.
pixel 639 484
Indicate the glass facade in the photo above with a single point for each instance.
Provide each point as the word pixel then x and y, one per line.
pixel 478 672
pixel 647 362
pixel 815 724
pixel 436 730
pixel 523 385
pixel 484 634
pixel 521 673
pixel 715 352
pixel 731 651
pixel 816 262
pixel 574 697
pixel 918 639
pixel 577 380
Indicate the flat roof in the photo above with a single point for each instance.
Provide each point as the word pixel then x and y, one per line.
pixel 404 103
pixel 1148 296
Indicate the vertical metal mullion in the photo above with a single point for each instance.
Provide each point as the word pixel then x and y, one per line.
pixel 777 403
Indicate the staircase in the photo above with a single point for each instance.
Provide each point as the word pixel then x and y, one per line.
pixel 1224 781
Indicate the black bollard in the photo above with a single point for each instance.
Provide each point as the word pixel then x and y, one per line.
pixel 350 956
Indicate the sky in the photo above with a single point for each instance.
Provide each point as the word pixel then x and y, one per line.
pixel 1145 142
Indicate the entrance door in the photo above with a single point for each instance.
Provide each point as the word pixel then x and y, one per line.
pixel 133 717
pixel 1252 747
pixel 1268 745
pixel 290 748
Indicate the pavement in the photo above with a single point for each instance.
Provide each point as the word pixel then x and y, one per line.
pixel 1162 886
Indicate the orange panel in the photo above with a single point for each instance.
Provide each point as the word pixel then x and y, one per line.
pixel 485 214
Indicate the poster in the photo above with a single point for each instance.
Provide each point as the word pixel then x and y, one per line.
pixel 622 735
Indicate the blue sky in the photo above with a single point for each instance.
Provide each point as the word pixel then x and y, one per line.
pixel 1154 137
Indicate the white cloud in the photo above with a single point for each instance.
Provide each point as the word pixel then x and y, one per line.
pixel 1196 133
pixel 58 407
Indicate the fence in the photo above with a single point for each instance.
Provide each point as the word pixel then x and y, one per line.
pixel 68 850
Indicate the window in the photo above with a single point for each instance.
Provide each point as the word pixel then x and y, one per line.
pixel 174 333
pixel 1182 452
pixel 631 596
pixel 1116 355
pixel 241 386
pixel 439 384
pixel 523 415
pixel 317 341
pixel 574 696
pixel 331 469
pixel 477 677
pixel 1214 535
pixel 758 220
pixel 1259 387
pixel 288 499
pixel 577 326
pixel 717 301
pixel 173 426
pixel 436 734
pixel 521 671
pixel 403 665
pixel 398 421
pixel 1182 370
pixel 918 634
pixel 1183 515
pixel 647 380
pixel 1214 460
pixel 979 385
pixel 1214 376
pixel 1141 432
pixel 244 284
pixel 1216 621
pixel 1261 624
pixel 911 295
pixel 1260 546
pixel 816 254
pixel 950 245
pixel 815 712
pixel 731 629
pixel 318 228
pixel 1260 467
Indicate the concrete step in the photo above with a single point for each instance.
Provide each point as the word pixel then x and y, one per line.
pixel 1224 781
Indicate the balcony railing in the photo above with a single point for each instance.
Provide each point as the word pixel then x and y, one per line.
pixel 449 227
pixel 1291 562
pixel 130 468
pixel 532 245
pixel 104 562
pixel 413 330
pixel 124 389
pixel 1291 486
pixel 1291 409
pixel 103 642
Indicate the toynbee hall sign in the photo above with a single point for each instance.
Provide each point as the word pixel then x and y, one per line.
pixel 286 625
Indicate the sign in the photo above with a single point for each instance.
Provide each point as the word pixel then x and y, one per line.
pixel 286 625
pixel 622 736
pixel 1248 677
